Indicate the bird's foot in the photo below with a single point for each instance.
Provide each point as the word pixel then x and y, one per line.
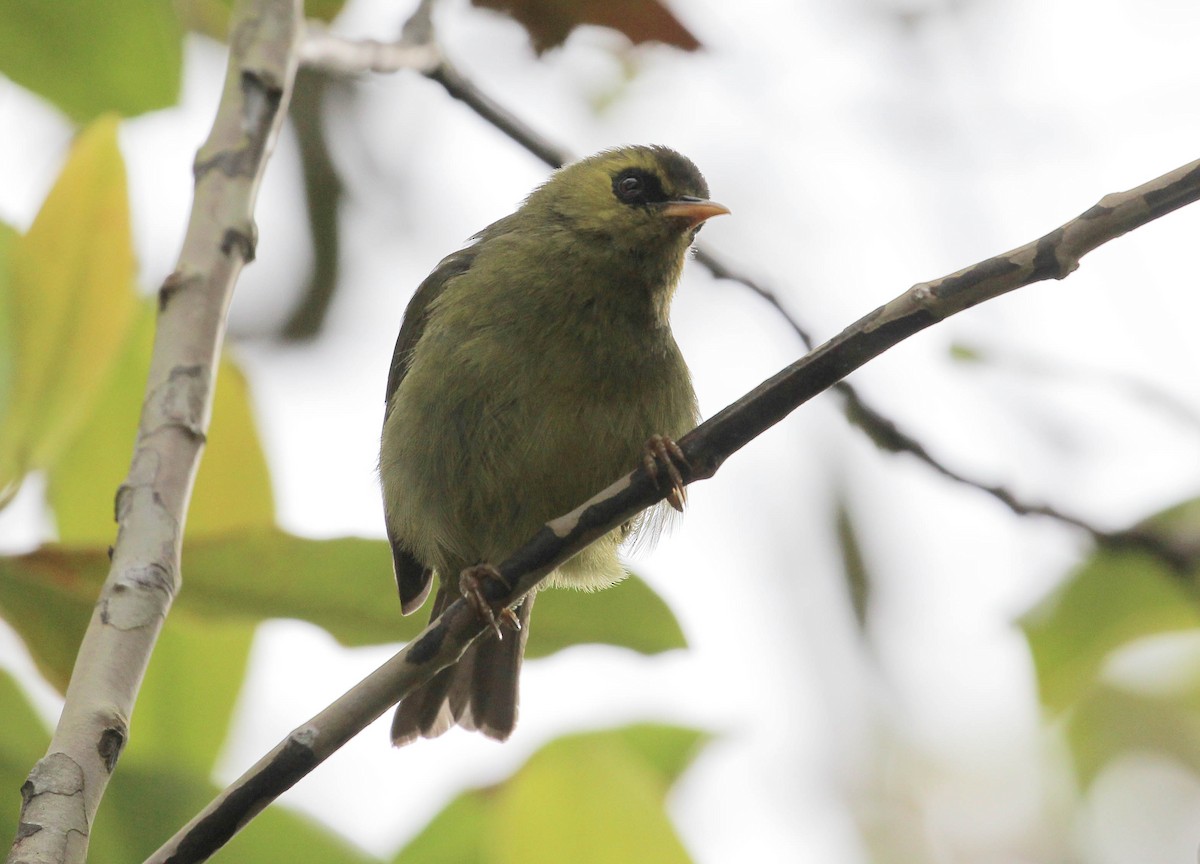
pixel 470 585
pixel 661 455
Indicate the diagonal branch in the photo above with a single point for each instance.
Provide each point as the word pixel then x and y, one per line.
pixel 707 447
pixel 63 791
pixel 418 50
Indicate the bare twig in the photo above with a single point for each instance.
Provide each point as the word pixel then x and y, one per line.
pixel 322 49
pixel 1053 256
pixel 463 89
pixel 63 791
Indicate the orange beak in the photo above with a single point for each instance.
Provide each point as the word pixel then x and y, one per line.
pixel 693 211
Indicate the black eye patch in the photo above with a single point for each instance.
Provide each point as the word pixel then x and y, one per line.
pixel 636 187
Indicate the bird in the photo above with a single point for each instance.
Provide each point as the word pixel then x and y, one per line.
pixel 534 367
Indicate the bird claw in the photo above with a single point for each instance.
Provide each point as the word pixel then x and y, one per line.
pixel 662 455
pixel 470 585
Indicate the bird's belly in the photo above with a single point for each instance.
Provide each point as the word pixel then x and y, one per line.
pixel 473 477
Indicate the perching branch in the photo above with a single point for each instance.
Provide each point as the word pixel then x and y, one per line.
pixel 707 447
pixel 885 433
pixel 63 791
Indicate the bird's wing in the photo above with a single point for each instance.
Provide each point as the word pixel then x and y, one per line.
pixel 417 313
pixel 412 577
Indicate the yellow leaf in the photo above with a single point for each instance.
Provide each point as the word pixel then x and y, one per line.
pixel 70 303
pixel 233 488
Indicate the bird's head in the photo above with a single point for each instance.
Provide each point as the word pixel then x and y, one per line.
pixel 643 201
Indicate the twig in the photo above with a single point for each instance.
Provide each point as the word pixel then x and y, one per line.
pixel 464 90
pixel 62 794
pixel 706 448
pixel 321 49
pixel 883 431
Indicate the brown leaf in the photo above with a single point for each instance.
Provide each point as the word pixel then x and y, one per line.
pixel 549 22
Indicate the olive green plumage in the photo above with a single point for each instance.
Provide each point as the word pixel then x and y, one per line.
pixel 530 369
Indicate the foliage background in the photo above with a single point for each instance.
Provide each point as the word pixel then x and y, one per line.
pixel 889 667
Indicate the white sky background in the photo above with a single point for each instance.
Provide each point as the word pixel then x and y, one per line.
pixel 859 155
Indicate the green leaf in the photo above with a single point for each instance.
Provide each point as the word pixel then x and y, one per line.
pixel 593 798
pixel 47 598
pixel 189 694
pixel 458 833
pixel 1114 598
pixel 629 615
pixel 156 789
pixel 22 744
pixel 233 487
pixel 69 302
pixel 8 239
pixel 1111 722
pixel 343 585
pixel 668 750
pixel 25 736
pixel 91 57
pixel 83 481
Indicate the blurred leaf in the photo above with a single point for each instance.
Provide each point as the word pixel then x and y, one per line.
pixel 24 740
pixel 322 194
pixel 233 488
pixel 69 303
pixel 629 615
pixel 22 744
pixel 854 567
pixel 549 22
pixel 89 57
pixel 589 799
pixel 1114 598
pixel 48 601
pixel 964 353
pixel 342 585
pixel 1111 722
pixel 148 799
pixel 345 586
pixel 8 239
pixel 188 696
pixel 667 750
pixel 459 833
pixel 158 788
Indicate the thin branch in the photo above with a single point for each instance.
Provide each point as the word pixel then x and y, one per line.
pixel 63 791
pixel 883 431
pixel 463 89
pixel 323 50
pixel 706 448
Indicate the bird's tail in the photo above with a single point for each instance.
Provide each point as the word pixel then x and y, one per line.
pixel 478 692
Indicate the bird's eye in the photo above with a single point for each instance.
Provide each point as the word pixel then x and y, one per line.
pixel 636 187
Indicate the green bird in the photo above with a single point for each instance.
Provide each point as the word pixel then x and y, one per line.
pixel 533 368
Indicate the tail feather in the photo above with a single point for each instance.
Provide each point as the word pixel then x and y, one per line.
pixel 480 692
